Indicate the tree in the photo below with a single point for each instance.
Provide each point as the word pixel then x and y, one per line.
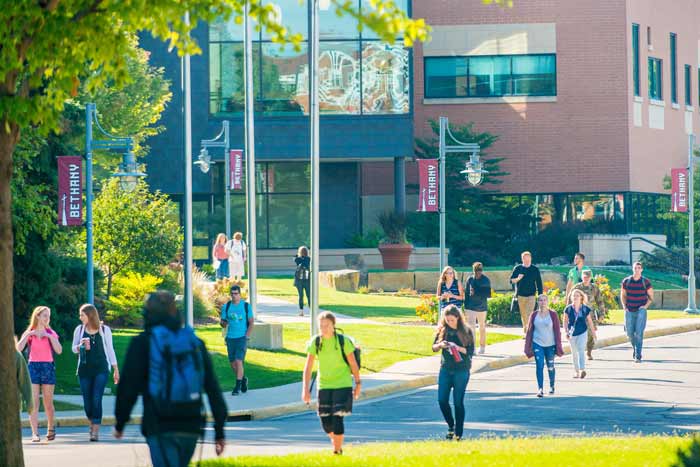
pixel 135 231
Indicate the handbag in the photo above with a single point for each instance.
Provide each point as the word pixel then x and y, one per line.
pixel 514 306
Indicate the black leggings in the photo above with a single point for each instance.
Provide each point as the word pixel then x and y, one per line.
pixel 333 424
pixel 301 287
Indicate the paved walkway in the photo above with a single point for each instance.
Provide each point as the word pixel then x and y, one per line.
pixel 410 374
pixel 275 310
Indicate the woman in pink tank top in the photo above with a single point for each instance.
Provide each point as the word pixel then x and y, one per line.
pixel 43 342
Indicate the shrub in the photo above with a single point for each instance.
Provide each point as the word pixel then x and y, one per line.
pixel 609 295
pixel 467 256
pixel 406 292
pixel 363 290
pixel 689 457
pixel 557 301
pixel 208 269
pixel 394 226
pixel 548 285
pixel 428 309
pixel 675 261
pixel 499 310
pixel 221 292
pixel 128 294
pixel 172 280
pixel 370 239
pixel 616 262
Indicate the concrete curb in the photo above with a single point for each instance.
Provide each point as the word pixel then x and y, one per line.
pixel 390 388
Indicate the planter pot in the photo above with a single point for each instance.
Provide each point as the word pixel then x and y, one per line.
pixel 395 256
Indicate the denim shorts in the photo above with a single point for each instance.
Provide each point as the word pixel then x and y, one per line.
pixel 42 372
pixel 236 348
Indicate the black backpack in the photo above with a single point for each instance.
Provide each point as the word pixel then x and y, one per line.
pixel 341 338
pixel 302 273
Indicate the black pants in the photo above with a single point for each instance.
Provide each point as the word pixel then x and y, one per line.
pixel 301 287
pixel 333 424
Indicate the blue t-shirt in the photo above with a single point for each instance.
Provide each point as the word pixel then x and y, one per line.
pixel 577 322
pixel 235 315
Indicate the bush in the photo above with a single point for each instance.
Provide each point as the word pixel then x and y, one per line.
pixel 610 296
pixel 499 310
pixel 363 290
pixel 208 269
pixel 467 256
pixel 616 262
pixel 369 240
pixel 128 294
pixel 675 261
pixel 406 292
pixel 428 309
pixel 689 457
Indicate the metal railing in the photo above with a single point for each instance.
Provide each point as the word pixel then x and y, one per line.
pixel 680 265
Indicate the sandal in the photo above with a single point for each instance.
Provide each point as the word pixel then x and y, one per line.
pixel 35 438
pixel 51 434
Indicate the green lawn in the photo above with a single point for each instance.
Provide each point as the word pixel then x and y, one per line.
pixel 656 451
pixel 660 280
pixel 618 316
pixel 381 345
pixel 378 307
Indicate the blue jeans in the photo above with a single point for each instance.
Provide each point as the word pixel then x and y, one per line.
pixel 93 388
pixel 172 449
pixel 635 322
pixel 578 350
pixel 544 355
pixel 455 381
pixel 222 270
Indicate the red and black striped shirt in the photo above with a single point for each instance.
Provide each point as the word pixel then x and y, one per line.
pixel 637 294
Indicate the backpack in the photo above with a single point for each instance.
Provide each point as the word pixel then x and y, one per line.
pixel 302 273
pixel 175 373
pixel 247 315
pixel 341 339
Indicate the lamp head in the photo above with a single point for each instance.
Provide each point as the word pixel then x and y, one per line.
pixel 129 173
pixel 474 170
pixel 204 160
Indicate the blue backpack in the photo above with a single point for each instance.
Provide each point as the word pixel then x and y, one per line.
pixel 175 372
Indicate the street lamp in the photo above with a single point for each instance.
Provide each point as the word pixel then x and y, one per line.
pixel 692 308
pixel 474 172
pixel 128 174
pixel 204 161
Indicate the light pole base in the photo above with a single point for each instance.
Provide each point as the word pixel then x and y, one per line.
pixel 692 311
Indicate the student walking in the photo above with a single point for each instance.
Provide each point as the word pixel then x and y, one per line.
pixel 456 341
pixel 92 341
pixel 543 341
pixel 636 294
pixel 237 252
pixel 173 415
pixel 238 319
pixel 595 302
pixel 449 289
pixel 577 323
pixel 527 281
pixel 575 274
pixel 43 342
pixel 477 290
pixel 302 278
pixel 337 367
pixel 220 257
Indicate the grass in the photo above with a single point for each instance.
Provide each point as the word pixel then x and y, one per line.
pixel 571 452
pixel 660 280
pixel 618 316
pixel 377 307
pixel 382 346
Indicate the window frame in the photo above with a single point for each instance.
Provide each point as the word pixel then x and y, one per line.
pixel 673 44
pixel 660 62
pixel 687 73
pixel 636 61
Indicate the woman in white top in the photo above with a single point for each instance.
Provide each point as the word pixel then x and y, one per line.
pixel 543 341
pixel 92 341
pixel 236 250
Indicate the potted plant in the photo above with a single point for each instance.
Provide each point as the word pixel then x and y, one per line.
pixel 394 248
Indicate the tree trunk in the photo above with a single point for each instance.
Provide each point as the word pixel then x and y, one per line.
pixel 10 434
pixel 109 284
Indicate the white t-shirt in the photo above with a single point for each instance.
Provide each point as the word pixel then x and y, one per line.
pixel 544 331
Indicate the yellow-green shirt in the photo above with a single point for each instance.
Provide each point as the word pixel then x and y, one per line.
pixel 333 372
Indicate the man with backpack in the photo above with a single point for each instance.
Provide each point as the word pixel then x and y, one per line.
pixel 171 368
pixel 238 319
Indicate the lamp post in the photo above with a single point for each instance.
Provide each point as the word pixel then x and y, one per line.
pixel 692 308
pixel 474 173
pixel 129 175
pixel 204 161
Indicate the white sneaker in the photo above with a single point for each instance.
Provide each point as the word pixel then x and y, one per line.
pixel 482 350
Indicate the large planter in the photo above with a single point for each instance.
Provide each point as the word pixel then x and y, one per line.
pixel 395 256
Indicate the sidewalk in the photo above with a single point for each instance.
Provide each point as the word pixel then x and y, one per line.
pixel 275 310
pixel 402 376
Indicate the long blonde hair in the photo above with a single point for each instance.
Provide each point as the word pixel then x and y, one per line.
pixel 93 317
pixel 444 273
pixel 34 320
pixel 221 238
pixel 466 337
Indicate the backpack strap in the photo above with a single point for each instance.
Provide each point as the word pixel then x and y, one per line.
pixel 228 305
pixel 341 340
pixel 246 306
pixel 318 344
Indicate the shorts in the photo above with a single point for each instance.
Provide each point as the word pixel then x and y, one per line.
pixel 42 372
pixel 236 348
pixel 335 402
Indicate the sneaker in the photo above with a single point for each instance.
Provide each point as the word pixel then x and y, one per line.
pixel 482 350
pixel 551 390
pixel 35 438
pixel 339 453
pixel 540 393
pixel 637 360
pixel 458 438
pixel 583 374
pixel 235 391
pixel 450 434
pixel 590 356
pixel 244 385
pixel 576 375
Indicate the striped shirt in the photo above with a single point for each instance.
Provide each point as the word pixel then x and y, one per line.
pixel 637 292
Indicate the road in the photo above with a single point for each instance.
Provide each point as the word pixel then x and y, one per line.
pixel 618 396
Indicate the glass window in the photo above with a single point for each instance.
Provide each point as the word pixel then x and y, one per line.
pixel 674 84
pixel 288 177
pixel 367 7
pixel 534 75
pixel 337 27
pixel 284 80
pixel 339 77
pixel 200 220
pixel 489 76
pixel 446 77
pixel 227 93
pixel 293 14
pixel 655 78
pixel 635 59
pixel 385 80
pixel 288 220
pixel 688 87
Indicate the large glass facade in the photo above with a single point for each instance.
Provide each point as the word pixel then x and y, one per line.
pixel 358 74
pixel 491 76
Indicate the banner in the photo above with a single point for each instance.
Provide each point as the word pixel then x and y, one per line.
pixel 70 190
pixel 679 190
pixel 236 167
pixel 428 185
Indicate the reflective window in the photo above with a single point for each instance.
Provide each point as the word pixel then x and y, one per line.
pixel 655 77
pixel 288 177
pixel 489 76
pixel 674 71
pixel 534 75
pixel 284 79
pixel 292 14
pixel 635 58
pixel 336 27
pixel 366 7
pixel 446 77
pixel 288 220
pixel 226 76
pixel 385 82
pixel 688 86
pixel 339 77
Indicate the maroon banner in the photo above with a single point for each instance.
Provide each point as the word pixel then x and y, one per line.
pixel 428 180
pixel 236 166
pixel 70 190
pixel 679 190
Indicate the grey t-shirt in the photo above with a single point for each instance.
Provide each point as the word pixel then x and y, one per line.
pixel 544 332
